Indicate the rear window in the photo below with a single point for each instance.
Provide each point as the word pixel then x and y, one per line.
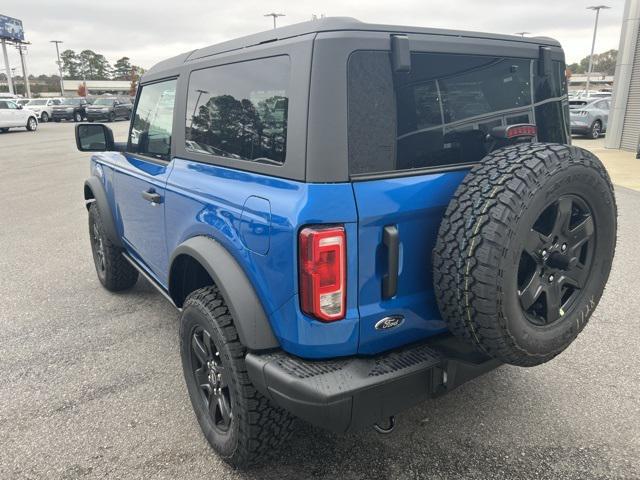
pixel 240 110
pixel 440 113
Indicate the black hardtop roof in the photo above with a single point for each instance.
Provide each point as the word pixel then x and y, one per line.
pixel 328 24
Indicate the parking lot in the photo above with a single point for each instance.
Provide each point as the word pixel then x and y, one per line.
pixel 91 382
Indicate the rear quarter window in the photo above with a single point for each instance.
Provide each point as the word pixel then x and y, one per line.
pixel 240 110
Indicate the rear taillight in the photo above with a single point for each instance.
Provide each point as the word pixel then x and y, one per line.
pixel 323 272
pixel 521 131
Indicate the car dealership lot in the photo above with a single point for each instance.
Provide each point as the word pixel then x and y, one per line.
pixel 91 382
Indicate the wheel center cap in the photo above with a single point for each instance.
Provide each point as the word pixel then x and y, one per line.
pixel 559 260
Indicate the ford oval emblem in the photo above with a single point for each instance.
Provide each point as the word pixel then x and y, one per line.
pixel 392 321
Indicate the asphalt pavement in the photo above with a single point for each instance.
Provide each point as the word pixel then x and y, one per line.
pixel 91 383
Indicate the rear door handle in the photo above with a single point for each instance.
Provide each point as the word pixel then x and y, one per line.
pixel 390 239
pixel 151 196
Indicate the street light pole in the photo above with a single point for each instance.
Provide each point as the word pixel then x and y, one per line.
pixel 23 51
pixel 274 15
pixel 597 9
pixel 57 42
pixel 6 66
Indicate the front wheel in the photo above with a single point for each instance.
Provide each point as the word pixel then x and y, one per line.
pixel 32 124
pixel 114 271
pixel 111 118
pixel 596 130
pixel 240 423
pixel 77 117
pixel 44 118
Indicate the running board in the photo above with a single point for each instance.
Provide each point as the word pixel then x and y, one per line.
pixel 150 279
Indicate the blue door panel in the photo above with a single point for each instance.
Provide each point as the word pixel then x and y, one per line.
pixel 415 205
pixel 204 199
pixel 141 221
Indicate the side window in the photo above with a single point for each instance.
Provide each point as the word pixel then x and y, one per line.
pixel 153 120
pixel 240 110
pixel 3 105
pixel 11 106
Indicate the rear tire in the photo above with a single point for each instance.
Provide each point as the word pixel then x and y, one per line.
pixel 596 130
pixel 217 381
pixel 77 117
pixel 44 118
pixel 524 251
pixel 114 271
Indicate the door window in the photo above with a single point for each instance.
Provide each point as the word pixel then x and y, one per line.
pixel 153 121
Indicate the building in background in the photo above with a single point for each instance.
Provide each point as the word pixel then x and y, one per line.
pixel 97 87
pixel 624 118
pixel 598 82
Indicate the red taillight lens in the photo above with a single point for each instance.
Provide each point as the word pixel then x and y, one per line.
pixel 522 131
pixel 323 272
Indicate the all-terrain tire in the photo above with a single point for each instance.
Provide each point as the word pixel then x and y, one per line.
pixel 488 230
pixel 257 428
pixel 114 271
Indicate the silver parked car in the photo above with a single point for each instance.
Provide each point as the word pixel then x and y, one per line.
pixel 589 116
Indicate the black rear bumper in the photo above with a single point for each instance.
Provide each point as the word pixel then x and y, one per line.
pixel 347 394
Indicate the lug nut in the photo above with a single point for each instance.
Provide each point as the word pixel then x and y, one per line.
pixel 544 253
pixel 551 277
pixel 564 247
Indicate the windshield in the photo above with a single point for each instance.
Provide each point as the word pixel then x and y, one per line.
pixel 37 102
pixel 104 101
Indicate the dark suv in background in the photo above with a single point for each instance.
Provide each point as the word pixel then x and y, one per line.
pixel 109 108
pixel 70 109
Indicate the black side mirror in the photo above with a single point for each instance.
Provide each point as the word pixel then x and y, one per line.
pixel 19 106
pixel 94 137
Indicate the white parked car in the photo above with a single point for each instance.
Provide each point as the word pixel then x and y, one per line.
pixel 13 115
pixel 42 107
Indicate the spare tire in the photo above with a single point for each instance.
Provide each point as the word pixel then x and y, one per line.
pixel 524 251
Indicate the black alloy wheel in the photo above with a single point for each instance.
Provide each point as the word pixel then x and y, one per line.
pixel 556 261
pixel 596 129
pixel 210 376
pixel 97 247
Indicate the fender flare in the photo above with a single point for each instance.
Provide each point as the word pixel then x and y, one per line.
pixel 249 317
pixel 94 185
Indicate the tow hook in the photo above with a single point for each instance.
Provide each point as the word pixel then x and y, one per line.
pixel 388 429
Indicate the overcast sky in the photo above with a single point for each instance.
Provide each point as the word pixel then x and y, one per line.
pixel 149 30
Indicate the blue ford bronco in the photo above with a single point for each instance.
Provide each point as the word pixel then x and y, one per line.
pixel 350 219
